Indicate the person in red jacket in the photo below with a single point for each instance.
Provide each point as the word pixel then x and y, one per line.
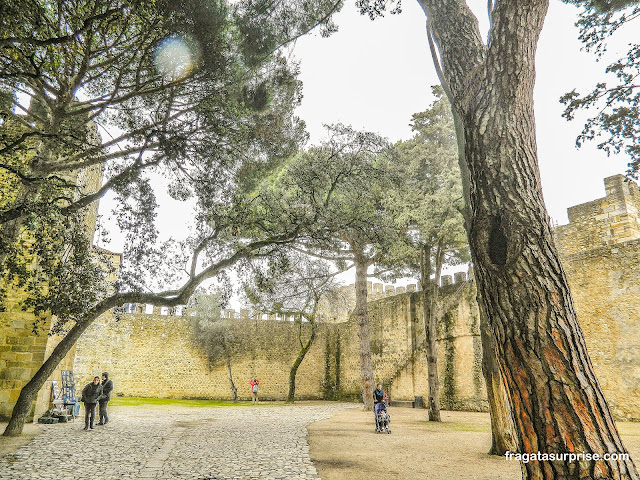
pixel 254 390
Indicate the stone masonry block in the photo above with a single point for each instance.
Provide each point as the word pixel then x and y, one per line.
pixel 14 364
pixel 20 348
pixel 13 396
pixel 10 356
pixel 460 277
pixel 16 373
pixel 18 323
pixel 23 356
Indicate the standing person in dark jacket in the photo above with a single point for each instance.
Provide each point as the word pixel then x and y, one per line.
pixel 90 395
pixel 107 387
pixel 378 398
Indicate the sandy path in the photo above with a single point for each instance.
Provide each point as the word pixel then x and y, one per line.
pixel 345 447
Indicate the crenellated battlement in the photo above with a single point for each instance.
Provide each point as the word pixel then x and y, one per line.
pixel 375 290
pixel 605 221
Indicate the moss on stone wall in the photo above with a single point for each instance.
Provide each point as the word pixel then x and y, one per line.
pixel 448 398
pixel 397 324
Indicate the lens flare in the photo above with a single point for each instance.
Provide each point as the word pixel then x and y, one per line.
pixel 176 57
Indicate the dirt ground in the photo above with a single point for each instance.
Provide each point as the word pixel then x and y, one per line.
pixel 346 447
pixel 11 444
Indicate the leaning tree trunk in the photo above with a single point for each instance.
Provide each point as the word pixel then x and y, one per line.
pixel 362 319
pixel 30 390
pixel 296 364
pixel 558 405
pixel 234 390
pixel 503 435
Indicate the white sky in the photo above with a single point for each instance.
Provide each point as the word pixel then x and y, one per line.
pixel 375 75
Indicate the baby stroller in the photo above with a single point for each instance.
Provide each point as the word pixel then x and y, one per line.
pixel 382 418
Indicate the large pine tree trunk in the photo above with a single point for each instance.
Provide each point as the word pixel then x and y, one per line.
pixel 362 319
pixel 503 434
pixel 558 405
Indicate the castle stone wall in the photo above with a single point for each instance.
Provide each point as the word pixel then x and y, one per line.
pixel 21 352
pixel 605 284
pixel 397 331
pixel 153 355
pixel 158 356
pixel 24 348
pixel 600 252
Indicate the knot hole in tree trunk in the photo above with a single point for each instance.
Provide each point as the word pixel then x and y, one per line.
pixel 497 248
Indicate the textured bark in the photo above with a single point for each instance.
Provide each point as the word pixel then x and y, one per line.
pixel 296 364
pixel 503 434
pixel 362 319
pixel 429 305
pixel 557 403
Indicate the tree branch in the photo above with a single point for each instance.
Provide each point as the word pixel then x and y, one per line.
pixel 456 32
pixel 86 26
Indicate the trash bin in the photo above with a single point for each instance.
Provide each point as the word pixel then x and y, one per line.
pixel 417 402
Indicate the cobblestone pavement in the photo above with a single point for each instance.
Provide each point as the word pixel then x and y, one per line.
pixel 185 443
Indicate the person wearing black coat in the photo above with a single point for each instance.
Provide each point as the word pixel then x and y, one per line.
pixel 90 395
pixel 107 387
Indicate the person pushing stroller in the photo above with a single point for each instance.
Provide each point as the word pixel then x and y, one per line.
pixel 380 410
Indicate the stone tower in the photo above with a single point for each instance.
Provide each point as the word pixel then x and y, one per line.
pixel 600 253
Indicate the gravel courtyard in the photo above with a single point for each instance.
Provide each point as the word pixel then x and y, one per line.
pixel 176 442
pixel 268 442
